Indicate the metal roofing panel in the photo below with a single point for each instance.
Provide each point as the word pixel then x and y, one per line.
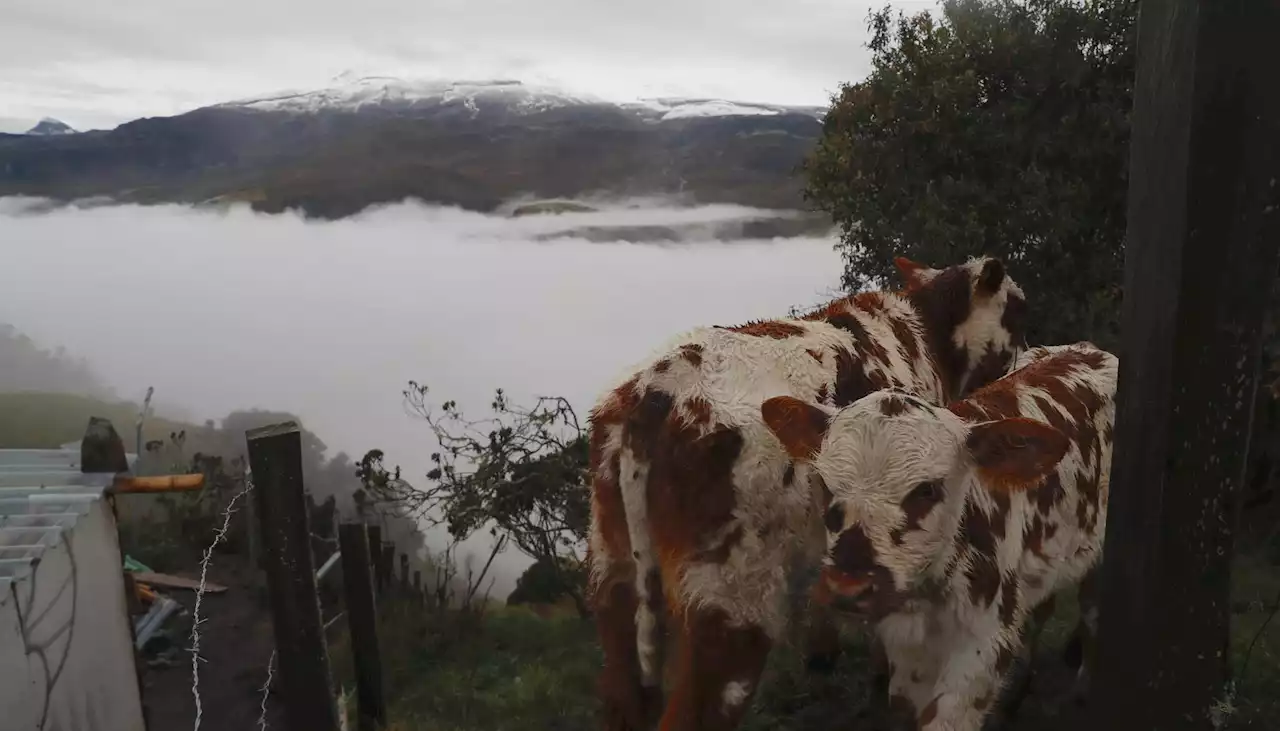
pixel 42 494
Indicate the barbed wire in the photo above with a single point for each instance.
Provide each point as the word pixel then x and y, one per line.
pixel 266 691
pixel 196 619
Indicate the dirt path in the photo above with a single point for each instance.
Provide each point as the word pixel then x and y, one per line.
pixel 236 642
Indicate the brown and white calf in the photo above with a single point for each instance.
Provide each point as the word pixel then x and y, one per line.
pixel 697 515
pixel 950 525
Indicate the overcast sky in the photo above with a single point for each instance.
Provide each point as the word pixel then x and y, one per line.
pixel 96 64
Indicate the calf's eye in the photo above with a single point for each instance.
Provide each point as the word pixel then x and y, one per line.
pixel 834 519
pixel 926 492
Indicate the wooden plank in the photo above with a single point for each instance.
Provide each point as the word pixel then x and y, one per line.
pixel 125 484
pixel 175 582
pixel 362 625
pixel 1202 249
pixel 306 686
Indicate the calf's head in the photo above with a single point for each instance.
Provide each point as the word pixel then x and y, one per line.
pixel 897 474
pixel 974 316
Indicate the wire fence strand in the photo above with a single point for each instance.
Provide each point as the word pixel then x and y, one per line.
pixel 196 619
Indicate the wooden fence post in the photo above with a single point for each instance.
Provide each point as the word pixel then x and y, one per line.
pixel 1201 255
pixel 388 566
pixel 404 574
pixel 375 557
pixel 362 624
pixel 275 457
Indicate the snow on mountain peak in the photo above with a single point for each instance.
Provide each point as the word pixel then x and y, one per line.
pixel 51 126
pixel 350 91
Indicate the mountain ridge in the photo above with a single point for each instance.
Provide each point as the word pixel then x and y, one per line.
pixel 335 151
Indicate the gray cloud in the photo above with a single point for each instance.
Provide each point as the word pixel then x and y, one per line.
pixel 167 56
pixel 231 310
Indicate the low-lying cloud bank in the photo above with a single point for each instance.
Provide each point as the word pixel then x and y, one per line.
pixel 223 309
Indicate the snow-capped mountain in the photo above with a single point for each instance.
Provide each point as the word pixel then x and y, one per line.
pixel 365 140
pixel 51 126
pixel 350 93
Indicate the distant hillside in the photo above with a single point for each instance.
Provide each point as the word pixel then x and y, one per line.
pixel 34 420
pixel 333 152
pixel 27 366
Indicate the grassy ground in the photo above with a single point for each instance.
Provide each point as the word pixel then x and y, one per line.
pixel 31 420
pixel 512 670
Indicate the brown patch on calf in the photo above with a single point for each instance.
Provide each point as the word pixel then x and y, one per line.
pixel 984 580
pixel 976 532
pixel 1049 493
pixel 699 410
pixel 690 486
pixel 1008 598
pixel 606 494
pixel 852 380
pixel 999 400
pixel 906 337
pixel 692 353
pixel 662 366
pixel 930 712
pixel 626 703
pixel 944 303
pixel 871 303
pixel 894 405
pixel 977 537
pixel 916 509
pixel 990 367
pixel 712 654
pixel 800 427
pixel 853 552
pixel 776 329
pixel 969 410
pixel 1033 536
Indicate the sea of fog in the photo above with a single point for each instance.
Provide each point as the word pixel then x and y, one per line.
pixel 220 310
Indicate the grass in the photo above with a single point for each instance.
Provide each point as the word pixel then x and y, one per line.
pixel 511 670
pixel 37 420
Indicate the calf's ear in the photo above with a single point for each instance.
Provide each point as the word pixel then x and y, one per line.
pixel 914 274
pixel 1014 454
pixel 800 426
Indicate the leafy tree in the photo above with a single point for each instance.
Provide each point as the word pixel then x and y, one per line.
pixel 520 473
pixel 1000 127
pixel 547 581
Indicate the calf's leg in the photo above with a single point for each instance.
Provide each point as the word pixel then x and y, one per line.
pixel 626 703
pixel 718 667
pixel 1080 648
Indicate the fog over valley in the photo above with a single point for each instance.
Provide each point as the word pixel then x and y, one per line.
pixel 223 309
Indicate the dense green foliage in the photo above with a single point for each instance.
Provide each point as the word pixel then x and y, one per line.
pixel 1000 127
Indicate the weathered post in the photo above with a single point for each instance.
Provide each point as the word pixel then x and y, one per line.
pixel 417 586
pixel 375 556
pixel 275 457
pixel 404 574
pixel 362 624
pixel 1201 254
pixel 388 565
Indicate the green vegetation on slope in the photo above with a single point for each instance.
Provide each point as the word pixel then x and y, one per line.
pixel 38 420
pixel 511 670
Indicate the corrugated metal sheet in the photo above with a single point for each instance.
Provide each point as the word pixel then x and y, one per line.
pixel 42 493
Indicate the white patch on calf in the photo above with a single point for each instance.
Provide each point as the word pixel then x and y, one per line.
pixel 734 695
pixel 633 478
